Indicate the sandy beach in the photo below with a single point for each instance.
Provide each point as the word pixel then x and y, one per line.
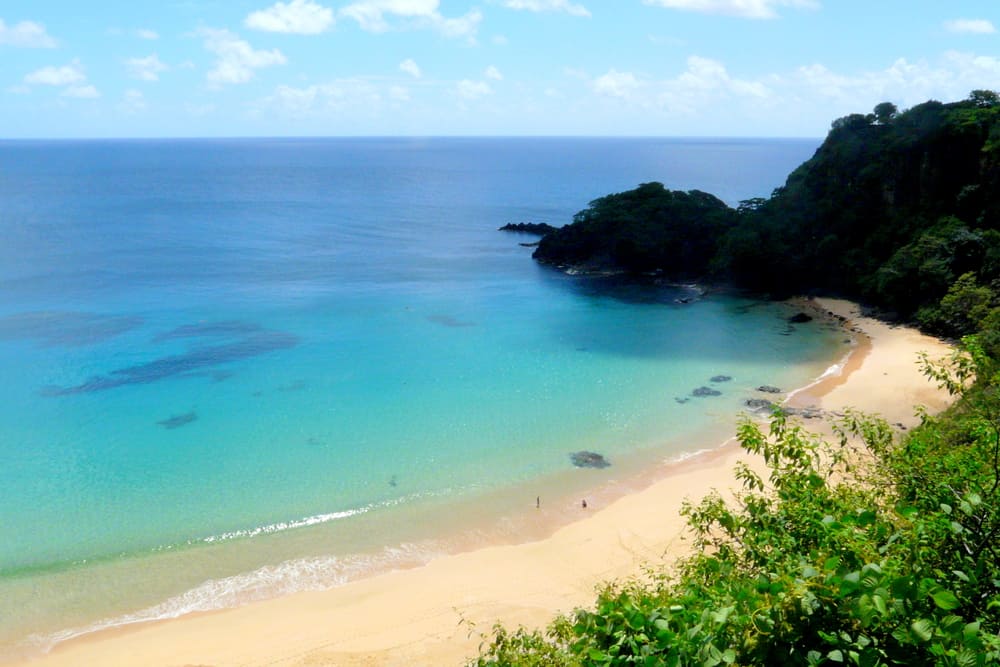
pixel 436 614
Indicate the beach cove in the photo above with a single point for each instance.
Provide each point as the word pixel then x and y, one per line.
pixel 434 614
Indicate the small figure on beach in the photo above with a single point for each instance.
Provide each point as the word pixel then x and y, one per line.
pixel 583 503
pixel 538 502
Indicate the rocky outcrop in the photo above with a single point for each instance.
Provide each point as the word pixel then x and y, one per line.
pixel 585 459
pixel 539 228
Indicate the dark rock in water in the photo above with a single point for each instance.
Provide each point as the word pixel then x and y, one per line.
pixel 539 228
pixel 449 321
pixel 176 421
pixel 65 329
pixel 800 318
pixel 706 391
pixel 584 459
pixel 761 404
pixel 720 378
pixel 197 359
pixel 805 413
pixel 227 329
pixel 768 389
pixel 529 245
pixel 682 401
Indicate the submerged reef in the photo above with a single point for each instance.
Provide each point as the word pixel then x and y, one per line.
pixel 585 459
pixel 194 361
pixel 176 421
pixel 65 329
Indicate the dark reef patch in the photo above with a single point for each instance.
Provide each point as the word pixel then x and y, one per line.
pixel 176 421
pixel 65 329
pixel 228 329
pixel 449 321
pixel 706 391
pixel 585 459
pixel 720 378
pixel 197 359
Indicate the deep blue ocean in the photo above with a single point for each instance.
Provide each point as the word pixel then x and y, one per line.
pixel 234 369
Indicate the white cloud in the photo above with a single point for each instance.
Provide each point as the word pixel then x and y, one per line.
pixel 472 90
pixel 300 17
pixel 324 98
pixel 903 82
pixel 133 101
pixel 752 9
pixel 410 68
pixel 146 33
pixel 703 83
pixel 26 34
pixel 615 84
pixel 70 77
pixel 548 6
pixel 462 26
pixel 975 26
pixel 375 15
pixel 146 69
pixel 704 74
pixel 399 93
pixel 57 76
pixel 83 92
pixel 493 73
pixel 236 59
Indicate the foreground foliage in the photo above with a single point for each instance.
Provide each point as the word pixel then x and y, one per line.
pixel 865 551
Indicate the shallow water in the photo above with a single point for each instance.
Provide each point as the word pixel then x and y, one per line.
pixel 235 369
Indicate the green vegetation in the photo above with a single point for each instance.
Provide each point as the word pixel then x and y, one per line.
pixel 892 209
pixel 883 553
pixel 875 549
pixel 645 229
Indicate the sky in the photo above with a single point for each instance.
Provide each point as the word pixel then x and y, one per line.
pixel 729 68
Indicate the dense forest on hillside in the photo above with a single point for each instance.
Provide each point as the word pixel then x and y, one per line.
pixel 892 209
pixel 826 562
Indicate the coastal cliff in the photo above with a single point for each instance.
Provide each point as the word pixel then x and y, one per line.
pixel 893 208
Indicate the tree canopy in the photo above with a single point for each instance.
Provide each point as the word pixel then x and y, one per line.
pixel 891 199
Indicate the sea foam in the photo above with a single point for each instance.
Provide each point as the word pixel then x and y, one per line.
pixel 271 581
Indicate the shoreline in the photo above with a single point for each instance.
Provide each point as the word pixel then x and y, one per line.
pixel 423 615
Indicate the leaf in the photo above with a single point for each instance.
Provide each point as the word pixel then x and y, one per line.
pixel 922 629
pixel 597 655
pixel 836 655
pixel 945 599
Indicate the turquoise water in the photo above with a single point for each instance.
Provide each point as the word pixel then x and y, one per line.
pixel 237 369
